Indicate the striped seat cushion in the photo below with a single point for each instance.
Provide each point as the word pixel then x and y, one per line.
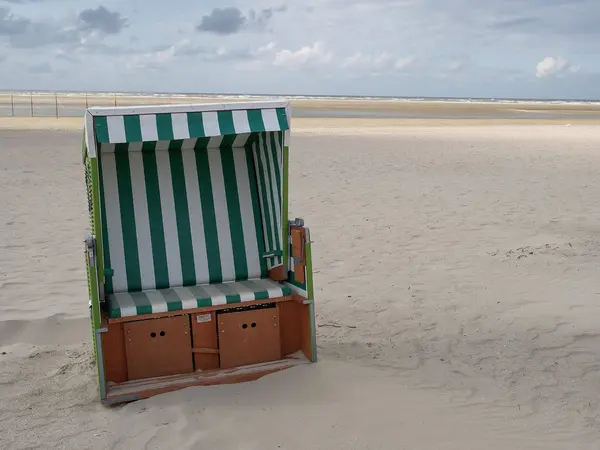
pixel 184 213
pixel 130 304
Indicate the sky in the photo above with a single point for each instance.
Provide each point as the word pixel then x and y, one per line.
pixel 417 48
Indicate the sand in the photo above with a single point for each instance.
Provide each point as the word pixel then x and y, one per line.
pixel 457 283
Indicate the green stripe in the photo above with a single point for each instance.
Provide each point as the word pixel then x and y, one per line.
pixel 202 297
pixel 235 214
pixel 114 309
pixel 255 120
pixel 157 232
pixel 107 278
pixel 201 143
pixel 256 209
pixel 274 137
pixel 263 191
pixel 101 127
pixel 182 216
pixel 269 184
pixel 164 125
pixel 284 195
pixel 231 296
pixel 132 262
pixel 259 294
pixel 195 124
pixel 173 301
pixel 226 122
pixel 292 280
pixel 282 119
pixel 274 202
pixel 208 217
pixel 176 144
pixel 133 129
pixel 227 141
pixel 142 303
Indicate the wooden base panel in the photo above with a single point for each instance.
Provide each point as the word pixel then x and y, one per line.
pixel 139 389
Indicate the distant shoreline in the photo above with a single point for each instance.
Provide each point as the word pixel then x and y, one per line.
pixel 368 98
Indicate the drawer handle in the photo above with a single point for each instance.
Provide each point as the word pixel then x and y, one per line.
pixel 153 334
pixel 245 325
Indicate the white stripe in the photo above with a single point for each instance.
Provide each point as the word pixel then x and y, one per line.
pixel 215 142
pixel 271 287
pixel 269 117
pixel 116 129
pixel 126 305
pixel 113 222
pixel 240 140
pixel 107 148
pixel 247 213
pixel 196 220
pixel 221 214
pixel 157 301
pixel 135 147
pixel 189 144
pixel 216 296
pixel 240 121
pixel 149 128
pixel 180 126
pixel 167 203
pixel 142 220
pixel 280 160
pixel 261 198
pixel 246 293
pixel 187 297
pixel 274 188
pixel 269 199
pixel 210 121
pixel 162 146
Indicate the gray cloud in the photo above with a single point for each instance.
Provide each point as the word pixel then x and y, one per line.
pixel 10 24
pixel 41 68
pixel 222 21
pixel 25 33
pixel 231 20
pixel 514 23
pixel 103 20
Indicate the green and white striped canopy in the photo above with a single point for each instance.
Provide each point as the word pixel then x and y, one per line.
pixel 183 122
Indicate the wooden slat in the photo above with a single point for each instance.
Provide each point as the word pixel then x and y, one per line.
pixel 206 350
pixel 134 390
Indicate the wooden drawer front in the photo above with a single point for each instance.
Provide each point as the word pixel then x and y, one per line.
pixel 158 347
pixel 249 337
pixel 204 337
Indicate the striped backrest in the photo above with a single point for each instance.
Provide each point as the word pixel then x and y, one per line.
pixel 190 211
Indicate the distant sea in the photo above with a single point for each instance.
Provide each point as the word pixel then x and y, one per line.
pixel 23 108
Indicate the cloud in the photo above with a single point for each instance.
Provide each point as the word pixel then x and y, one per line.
pixel 382 62
pixel 550 66
pixel 404 64
pixel 10 24
pixel 42 68
pixel 223 21
pixel 515 22
pixel 185 48
pixel 25 33
pixel 231 20
pixel 303 57
pixel 102 19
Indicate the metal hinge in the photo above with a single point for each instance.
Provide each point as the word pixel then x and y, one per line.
pixel 90 249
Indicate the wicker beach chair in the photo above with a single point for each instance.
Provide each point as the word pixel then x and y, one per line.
pixel 196 276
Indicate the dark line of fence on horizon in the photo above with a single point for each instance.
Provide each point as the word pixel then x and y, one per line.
pixel 20 105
